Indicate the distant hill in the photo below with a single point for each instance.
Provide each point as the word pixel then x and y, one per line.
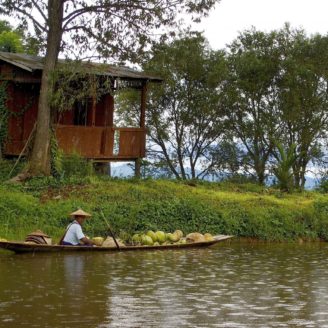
pixel 121 170
pixel 126 171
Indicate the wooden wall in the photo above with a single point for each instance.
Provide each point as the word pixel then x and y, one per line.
pixel 95 139
pixel 23 104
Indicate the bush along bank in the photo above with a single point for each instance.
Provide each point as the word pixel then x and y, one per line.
pixel 133 206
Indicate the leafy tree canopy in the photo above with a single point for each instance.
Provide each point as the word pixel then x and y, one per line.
pixel 106 28
pixel 10 42
pixel 16 40
pixel 120 29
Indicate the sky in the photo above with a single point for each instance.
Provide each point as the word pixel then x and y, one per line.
pixel 230 17
pixel 233 16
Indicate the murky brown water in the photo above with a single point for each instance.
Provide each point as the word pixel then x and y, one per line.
pixel 229 285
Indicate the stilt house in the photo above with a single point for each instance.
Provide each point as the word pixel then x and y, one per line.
pixel 88 127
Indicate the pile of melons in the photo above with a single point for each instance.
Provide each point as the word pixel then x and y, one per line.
pixel 157 238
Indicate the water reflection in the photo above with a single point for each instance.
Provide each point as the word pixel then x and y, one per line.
pixel 50 291
pixel 74 274
pixel 232 285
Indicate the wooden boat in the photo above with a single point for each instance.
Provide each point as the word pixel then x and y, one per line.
pixel 23 247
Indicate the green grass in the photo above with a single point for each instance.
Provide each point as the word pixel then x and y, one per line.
pixel 244 210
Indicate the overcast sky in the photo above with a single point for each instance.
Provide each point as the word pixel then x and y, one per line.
pixel 233 16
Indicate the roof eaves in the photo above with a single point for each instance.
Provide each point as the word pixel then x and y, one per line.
pixel 16 63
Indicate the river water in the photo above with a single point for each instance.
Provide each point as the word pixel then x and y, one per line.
pixel 233 284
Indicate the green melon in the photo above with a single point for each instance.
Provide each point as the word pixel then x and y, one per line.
pixel 146 240
pixel 136 239
pixel 172 237
pixel 152 235
pixel 160 235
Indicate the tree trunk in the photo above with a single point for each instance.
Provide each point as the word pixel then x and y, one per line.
pixel 192 168
pixel 303 172
pixel 260 171
pixel 137 168
pixel 39 162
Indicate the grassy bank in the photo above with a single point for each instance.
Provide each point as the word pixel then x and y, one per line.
pixel 136 206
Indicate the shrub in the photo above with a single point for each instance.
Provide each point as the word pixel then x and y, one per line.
pixel 72 165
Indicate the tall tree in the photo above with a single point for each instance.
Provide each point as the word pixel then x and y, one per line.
pixel 303 97
pixel 185 118
pixel 277 94
pixel 112 28
pixel 251 96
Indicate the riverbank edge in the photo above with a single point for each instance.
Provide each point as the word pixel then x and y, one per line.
pixel 245 211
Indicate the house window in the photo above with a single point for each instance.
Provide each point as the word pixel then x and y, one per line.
pixel 81 112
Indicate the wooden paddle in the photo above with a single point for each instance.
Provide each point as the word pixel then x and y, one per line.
pixel 110 230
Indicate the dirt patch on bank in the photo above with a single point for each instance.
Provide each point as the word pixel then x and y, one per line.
pixel 63 193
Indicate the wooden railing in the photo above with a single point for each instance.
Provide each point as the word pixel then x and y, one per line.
pixel 102 143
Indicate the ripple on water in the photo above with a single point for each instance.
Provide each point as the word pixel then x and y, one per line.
pixel 233 285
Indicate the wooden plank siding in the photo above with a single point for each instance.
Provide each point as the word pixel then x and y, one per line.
pixel 98 142
pixel 93 142
pixel 22 102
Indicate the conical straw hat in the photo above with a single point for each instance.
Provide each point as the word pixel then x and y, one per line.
pixel 38 233
pixel 80 212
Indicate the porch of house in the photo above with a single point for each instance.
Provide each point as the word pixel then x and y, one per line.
pixel 102 143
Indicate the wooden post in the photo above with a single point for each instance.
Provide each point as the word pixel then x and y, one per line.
pixel 109 169
pixel 109 110
pixel 143 105
pixel 142 126
pixel 94 101
pixel 94 105
pixel 108 121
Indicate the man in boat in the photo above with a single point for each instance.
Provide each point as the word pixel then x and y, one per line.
pixel 74 235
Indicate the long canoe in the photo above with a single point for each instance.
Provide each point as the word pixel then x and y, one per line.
pixel 21 247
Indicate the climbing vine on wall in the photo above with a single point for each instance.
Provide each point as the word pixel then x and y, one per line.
pixel 74 83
